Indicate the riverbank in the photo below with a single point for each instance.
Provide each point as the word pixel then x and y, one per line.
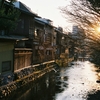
pixel 64 62
pixel 25 76
pixel 30 74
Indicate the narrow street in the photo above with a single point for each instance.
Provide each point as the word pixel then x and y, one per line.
pixel 77 82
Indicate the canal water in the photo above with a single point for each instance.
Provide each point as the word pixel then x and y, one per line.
pixel 79 81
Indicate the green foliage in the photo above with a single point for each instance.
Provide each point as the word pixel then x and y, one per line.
pixel 8 18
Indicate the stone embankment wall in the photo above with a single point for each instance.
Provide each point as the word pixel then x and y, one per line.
pixel 25 76
pixel 64 60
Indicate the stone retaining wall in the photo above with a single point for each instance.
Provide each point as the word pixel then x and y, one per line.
pixel 25 76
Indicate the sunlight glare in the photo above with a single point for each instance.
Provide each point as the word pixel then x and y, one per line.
pixel 98 29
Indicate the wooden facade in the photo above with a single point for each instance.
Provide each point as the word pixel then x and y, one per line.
pixel 36 41
pixel 44 33
pixel 22 58
pixel 24 49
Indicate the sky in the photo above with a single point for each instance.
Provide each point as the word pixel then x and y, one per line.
pixel 49 9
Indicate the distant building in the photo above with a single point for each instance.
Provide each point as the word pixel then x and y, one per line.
pixel 75 30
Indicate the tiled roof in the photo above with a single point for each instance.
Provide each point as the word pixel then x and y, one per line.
pixel 44 20
pixel 17 38
pixel 24 8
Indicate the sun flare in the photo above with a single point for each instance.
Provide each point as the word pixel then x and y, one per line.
pixel 98 29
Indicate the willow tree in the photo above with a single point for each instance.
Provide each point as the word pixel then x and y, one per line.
pixel 8 16
pixel 86 14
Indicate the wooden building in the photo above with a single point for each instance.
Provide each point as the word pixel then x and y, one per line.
pixel 23 52
pixel 44 31
pixel 34 41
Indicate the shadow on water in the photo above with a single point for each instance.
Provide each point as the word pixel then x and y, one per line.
pixel 42 89
pixel 77 82
pixel 60 83
pixel 94 96
pixel 81 83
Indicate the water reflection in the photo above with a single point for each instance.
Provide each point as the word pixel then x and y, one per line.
pixel 81 81
pixel 77 82
pixel 41 89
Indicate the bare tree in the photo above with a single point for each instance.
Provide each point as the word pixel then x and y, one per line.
pixel 85 14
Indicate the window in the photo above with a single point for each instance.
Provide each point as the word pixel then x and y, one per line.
pixel 31 32
pixel 48 52
pixel 37 32
pixel 6 66
pixel 31 27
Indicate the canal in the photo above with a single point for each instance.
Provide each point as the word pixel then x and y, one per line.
pixel 76 82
